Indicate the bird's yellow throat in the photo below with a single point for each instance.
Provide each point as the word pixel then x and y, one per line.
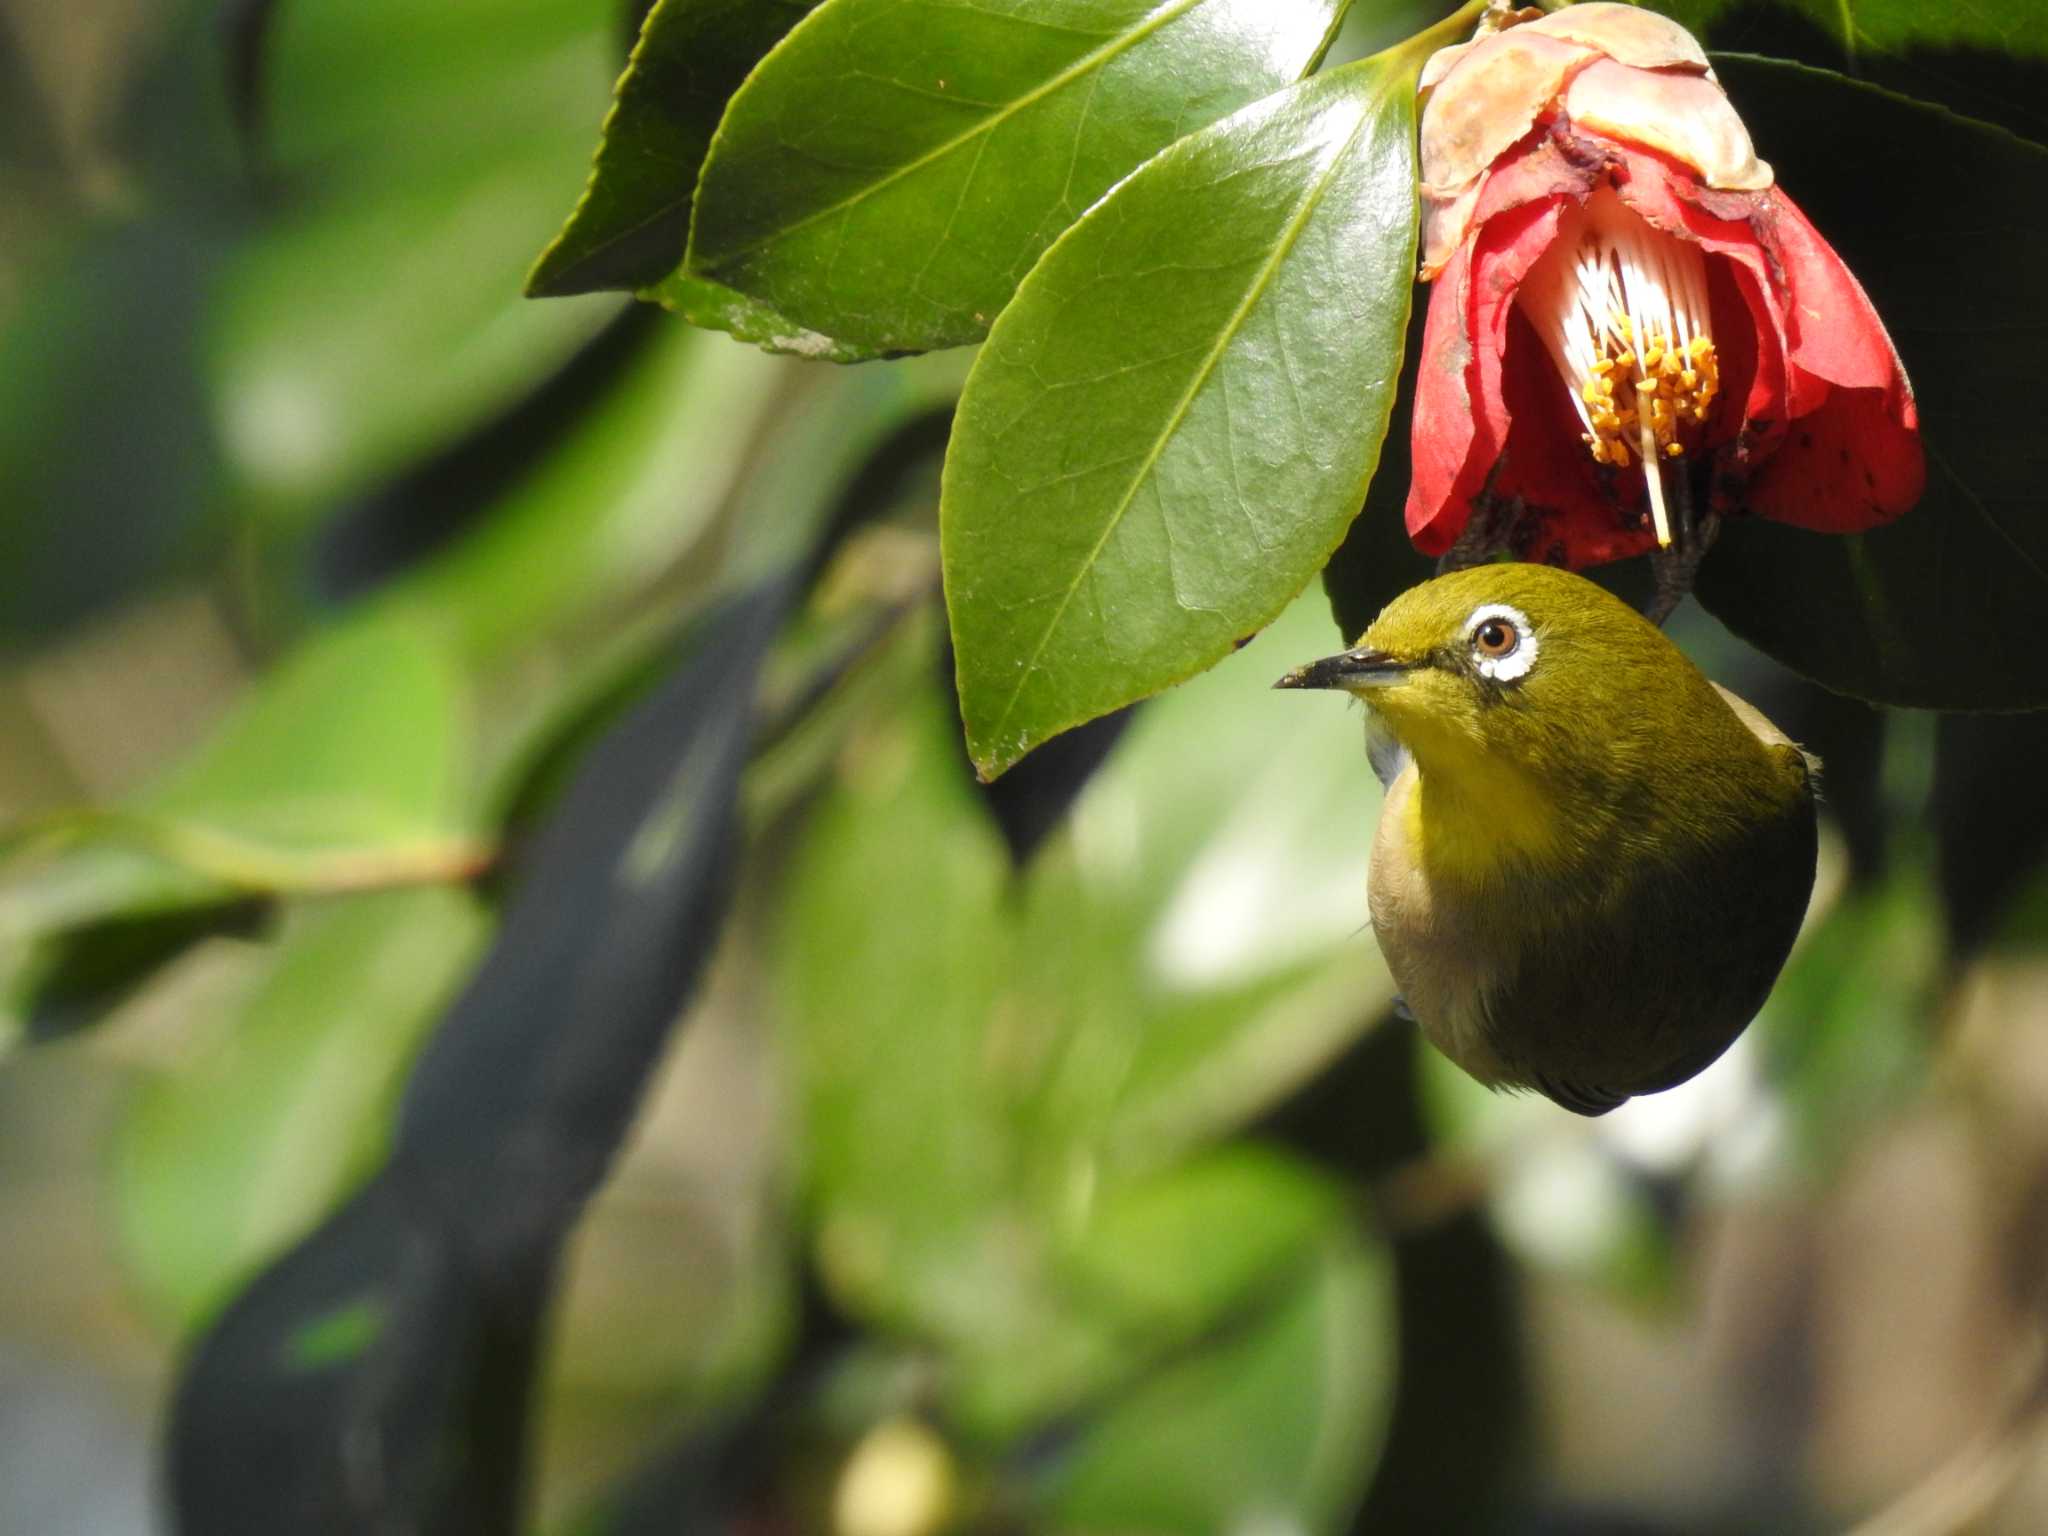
pixel 1473 816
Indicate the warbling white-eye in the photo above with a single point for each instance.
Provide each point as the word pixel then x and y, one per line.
pixel 1591 861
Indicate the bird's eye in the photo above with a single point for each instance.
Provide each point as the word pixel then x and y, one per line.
pixel 1496 638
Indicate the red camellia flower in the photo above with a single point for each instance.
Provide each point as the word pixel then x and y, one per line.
pixel 1628 315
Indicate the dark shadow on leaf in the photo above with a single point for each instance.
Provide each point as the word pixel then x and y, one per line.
pixel 76 976
pixel 732 1474
pixel 1985 83
pixel 511 1118
pixel 246 28
pixel 1033 796
pixel 1990 820
pixel 107 445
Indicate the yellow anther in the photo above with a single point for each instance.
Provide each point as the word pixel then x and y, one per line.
pixel 1672 387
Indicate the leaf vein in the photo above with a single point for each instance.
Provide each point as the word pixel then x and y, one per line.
pixel 1290 234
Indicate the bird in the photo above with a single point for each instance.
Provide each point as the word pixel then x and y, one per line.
pixel 1591 861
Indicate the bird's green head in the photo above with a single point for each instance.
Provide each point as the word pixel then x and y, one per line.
pixel 1521 685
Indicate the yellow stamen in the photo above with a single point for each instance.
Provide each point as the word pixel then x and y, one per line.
pixel 1616 300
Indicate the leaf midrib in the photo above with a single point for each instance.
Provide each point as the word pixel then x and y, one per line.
pixel 1164 16
pixel 1290 234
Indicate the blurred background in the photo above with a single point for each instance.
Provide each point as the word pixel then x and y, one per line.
pixel 1042 1157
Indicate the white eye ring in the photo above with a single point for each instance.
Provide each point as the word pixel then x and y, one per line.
pixel 1509 665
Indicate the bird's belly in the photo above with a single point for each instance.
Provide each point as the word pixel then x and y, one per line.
pixel 1587 989
pixel 1442 964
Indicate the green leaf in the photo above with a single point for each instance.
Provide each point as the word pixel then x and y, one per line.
pixel 631 486
pixel 894 167
pixel 380 314
pixel 1918 612
pixel 242 1146
pixel 347 766
pixel 1275 1426
pixel 381 321
pixel 715 307
pixel 105 447
pixel 979 1056
pixel 355 746
pixel 1171 427
pixel 634 218
pixel 510 1120
pixel 2016 26
pixel 1985 60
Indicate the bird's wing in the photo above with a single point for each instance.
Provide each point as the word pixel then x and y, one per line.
pixel 1765 732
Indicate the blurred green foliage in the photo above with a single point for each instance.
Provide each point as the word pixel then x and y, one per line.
pixel 1013 1138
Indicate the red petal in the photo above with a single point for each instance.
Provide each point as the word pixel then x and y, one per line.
pixel 1854 460
pixel 1751 349
pixel 1835 332
pixel 1440 441
pixel 1461 418
pixel 1848 466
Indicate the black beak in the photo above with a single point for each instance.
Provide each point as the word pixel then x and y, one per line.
pixel 1348 669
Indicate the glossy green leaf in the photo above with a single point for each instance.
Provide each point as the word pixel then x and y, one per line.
pixel 715 307
pixel 895 166
pixel 634 218
pixel 1171 427
pixel 248 1141
pixel 1918 612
